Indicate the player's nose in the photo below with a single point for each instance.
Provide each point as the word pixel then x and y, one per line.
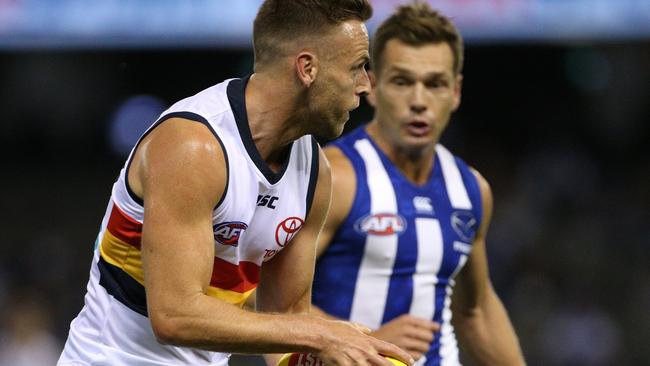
pixel 363 85
pixel 417 103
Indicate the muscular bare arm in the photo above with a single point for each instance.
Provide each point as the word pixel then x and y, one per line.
pixel 480 318
pixel 409 333
pixel 180 172
pixel 285 281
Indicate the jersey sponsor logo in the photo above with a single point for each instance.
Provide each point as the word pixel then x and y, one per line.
pixel 270 253
pixel 287 229
pixel 266 200
pixel 228 233
pixel 423 204
pixel 381 224
pixel 464 224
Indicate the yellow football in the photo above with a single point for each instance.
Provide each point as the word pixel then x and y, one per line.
pixel 395 361
pixel 308 359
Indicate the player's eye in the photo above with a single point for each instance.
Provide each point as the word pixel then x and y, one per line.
pixel 437 83
pixel 400 81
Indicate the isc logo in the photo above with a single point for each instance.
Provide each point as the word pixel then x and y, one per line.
pixel 228 233
pixel 266 200
pixel 381 224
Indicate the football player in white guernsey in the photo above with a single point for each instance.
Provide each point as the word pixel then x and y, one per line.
pixel 401 288
pixel 215 200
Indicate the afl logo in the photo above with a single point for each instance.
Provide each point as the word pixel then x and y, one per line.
pixel 381 224
pixel 287 229
pixel 228 233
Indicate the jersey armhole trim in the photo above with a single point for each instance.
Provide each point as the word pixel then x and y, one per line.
pixel 477 194
pixel 313 175
pixel 473 188
pixel 188 116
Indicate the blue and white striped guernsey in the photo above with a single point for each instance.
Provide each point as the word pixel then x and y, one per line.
pixel 401 245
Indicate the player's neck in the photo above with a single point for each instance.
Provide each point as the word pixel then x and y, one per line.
pixel 269 113
pixel 414 163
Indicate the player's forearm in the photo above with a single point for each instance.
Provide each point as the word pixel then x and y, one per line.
pixel 266 304
pixel 487 334
pixel 278 300
pixel 211 324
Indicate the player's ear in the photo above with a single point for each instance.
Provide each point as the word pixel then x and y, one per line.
pixel 306 65
pixel 371 98
pixel 458 86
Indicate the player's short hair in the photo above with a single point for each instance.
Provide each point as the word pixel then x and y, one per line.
pixel 417 24
pixel 278 21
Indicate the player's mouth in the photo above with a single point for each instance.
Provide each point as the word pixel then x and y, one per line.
pixel 418 128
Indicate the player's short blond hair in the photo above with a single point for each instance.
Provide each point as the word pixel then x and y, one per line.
pixel 417 24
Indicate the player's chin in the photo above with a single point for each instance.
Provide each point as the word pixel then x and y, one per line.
pixel 417 142
pixel 334 132
pixel 336 127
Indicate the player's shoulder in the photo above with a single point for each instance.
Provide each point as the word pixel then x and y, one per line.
pixel 184 133
pixel 466 169
pixel 342 150
pixel 182 144
pixel 340 165
pixel 179 149
pixel 343 184
pixel 344 179
pixel 483 184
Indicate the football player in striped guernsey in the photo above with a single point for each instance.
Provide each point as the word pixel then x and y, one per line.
pixel 227 192
pixel 408 220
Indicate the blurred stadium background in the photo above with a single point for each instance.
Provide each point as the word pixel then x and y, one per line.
pixel 555 114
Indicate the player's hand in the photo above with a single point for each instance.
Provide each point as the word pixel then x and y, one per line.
pixel 347 344
pixel 412 334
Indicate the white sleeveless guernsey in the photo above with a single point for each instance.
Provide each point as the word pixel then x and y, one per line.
pixel 258 215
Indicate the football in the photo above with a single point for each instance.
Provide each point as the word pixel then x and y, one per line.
pixel 308 359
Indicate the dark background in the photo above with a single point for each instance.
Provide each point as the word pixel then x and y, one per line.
pixel 560 132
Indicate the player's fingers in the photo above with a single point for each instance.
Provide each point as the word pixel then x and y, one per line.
pixel 413 345
pixel 432 326
pixel 341 363
pixel 362 328
pixel 421 334
pixel 416 355
pixel 361 362
pixel 425 324
pixel 378 360
pixel 355 358
pixel 339 360
pixel 392 350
